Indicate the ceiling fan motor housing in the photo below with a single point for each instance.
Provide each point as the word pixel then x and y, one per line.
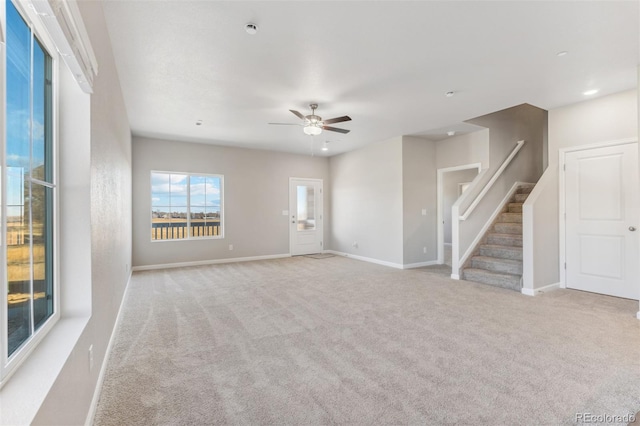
pixel 314 119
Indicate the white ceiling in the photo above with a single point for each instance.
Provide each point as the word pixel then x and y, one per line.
pixel 385 64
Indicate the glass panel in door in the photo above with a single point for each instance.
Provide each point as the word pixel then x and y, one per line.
pixel 306 208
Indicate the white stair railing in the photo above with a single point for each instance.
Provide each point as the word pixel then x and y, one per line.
pixel 493 180
pixel 457 261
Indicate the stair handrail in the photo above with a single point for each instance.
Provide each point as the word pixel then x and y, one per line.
pixel 493 180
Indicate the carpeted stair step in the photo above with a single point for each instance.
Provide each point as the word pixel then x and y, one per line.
pixel 504 239
pixel 497 279
pixel 508 228
pixel 502 252
pixel 524 190
pixel 515 207
pixel 495 264
pixel 510 217
pixel 499 262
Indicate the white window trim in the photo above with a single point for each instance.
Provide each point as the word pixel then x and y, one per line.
pixel 9 364
pixel 189 238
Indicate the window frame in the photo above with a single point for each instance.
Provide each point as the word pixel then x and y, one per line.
pixel 189 175
pixel 9 363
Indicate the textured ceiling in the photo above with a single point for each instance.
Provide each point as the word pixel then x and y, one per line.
pixel 387 65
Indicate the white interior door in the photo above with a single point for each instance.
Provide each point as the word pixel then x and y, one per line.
pixel 305 216
pixel 601 202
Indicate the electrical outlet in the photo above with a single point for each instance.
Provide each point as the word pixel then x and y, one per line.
pixel 424 250
pixel 230 247
pixel 424 212
pixel 355 244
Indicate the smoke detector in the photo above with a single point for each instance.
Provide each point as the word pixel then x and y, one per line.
pixel 251 28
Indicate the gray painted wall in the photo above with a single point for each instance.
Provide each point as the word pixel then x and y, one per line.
pixel 396 179
pixel 464 149
pixel 603 119
pixel 419 192
pixel 366 192
pixel 378 194
pixel 506 127
pixel 256 191
pixel 69 400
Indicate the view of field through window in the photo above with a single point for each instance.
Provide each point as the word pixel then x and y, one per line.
pixel 29 182
pixel 185 206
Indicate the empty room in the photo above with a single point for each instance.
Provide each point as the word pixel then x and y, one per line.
pixel 319 212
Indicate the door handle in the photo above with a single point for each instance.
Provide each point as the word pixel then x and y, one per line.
pixel 632 228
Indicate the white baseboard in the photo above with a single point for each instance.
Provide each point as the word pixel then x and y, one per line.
pixel 455 276
pixel 103 369
pixel 279 256
pixel 209 262
pixel 367 259
pixel 419 264
pixel 535 291
pixel 638 315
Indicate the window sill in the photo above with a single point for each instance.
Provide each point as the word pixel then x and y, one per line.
pixel 26 390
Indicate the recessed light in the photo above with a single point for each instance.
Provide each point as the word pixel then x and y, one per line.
pixel 251 28
pixel 590 92
pixel 449 94
pixel 451 132
pixel 563 53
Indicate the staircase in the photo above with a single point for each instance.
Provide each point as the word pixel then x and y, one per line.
pixel 497 260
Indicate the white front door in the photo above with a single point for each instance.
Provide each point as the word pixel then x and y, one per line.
pixel 305 216
pixel 601 202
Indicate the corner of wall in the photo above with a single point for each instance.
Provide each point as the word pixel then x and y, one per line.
pixel 418 201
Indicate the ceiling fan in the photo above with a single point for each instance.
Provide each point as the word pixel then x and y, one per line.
pixel 313 124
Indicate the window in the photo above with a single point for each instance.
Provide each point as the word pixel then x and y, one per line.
pixel 186 206
pixel 28 193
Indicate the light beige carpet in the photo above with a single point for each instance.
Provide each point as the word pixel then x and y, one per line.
pixel 303 341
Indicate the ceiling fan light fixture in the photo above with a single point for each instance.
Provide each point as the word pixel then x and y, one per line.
pixel 312 130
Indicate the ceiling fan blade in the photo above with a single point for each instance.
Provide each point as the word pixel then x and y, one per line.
pixel 297 114
pixel 335 129
pixel 286 124
pixel 337 119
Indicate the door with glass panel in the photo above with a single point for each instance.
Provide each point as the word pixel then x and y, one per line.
pixel 305 216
